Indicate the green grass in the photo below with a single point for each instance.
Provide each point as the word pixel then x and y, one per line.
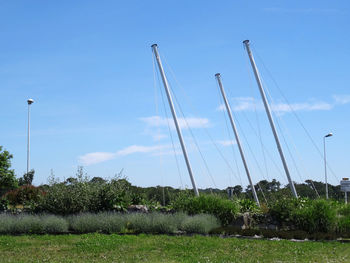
pixel 162 248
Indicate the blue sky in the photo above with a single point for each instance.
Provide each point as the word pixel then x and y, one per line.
pixel 88 66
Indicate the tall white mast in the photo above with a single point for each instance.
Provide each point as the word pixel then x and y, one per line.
pixel 233 124
pixel 268 112
pixel 166 86
pixel 30 101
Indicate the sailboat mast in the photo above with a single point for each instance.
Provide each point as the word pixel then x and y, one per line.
pixel 173 112
pixel 233 124
pixel 268 112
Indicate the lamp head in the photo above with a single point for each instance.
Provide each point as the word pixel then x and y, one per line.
pixel 30 101
pixel 329 135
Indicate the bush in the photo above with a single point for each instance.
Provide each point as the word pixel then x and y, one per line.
pixel 247 205
pixel 54 224
pixel 113 223
pixel 315 216
pixel 6 223
pixel 282 209
pixel 24 195
pixel 4 203
pixel 103 222
pixel 224 209
pixel 152 223
pixel 80 195
pixel 200 224
pixel 86 223
pixel 31 224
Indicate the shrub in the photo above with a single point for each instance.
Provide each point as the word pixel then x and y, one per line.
pixel 250 232
pixel 85 223
pixel 4 203
pixel 224 209
pixel 247 205
pixel 315 216
pixel 32 224
pixel 79 196
pixel 24 194
pixel 113 223
pixel 152 223
pixel 108 223
pixel 54 224
pixel 6 223
pixel 103 222
pixel 200 224
pixel 27 224
pixel 283 208
pixel 269 233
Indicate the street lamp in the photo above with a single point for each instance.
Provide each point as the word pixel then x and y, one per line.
pixel 325 160
pixel 30 101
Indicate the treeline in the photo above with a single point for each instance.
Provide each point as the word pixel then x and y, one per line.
pixel 119 192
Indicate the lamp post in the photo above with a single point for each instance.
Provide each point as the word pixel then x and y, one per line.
pixel 325 160
pixel 30 101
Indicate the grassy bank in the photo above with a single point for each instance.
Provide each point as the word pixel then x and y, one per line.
pixel 161 248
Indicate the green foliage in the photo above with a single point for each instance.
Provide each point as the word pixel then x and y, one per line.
pixel 248 205
pixel 103 222
pixel 200 224
pixel 4 203
pixel 85 223
pixel 32 224
pixel 26 194
pixel 8 179
pixel 27 178
pixel 315 216
pixel 224 209
pixel 304 214
pixel 282 209
pixel 152 223
pixel 344 219
pixel 78 195
pixel 54 224
pixel 109 223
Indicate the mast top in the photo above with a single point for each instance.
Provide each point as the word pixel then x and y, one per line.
pixel 246 41
pixel 217 74
pixel 154 45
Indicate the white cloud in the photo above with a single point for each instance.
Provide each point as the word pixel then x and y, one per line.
pixel 96 157
pixel 250 104
pixel 99 157
pixel 341 99
pixel 227 142
pixel 140 149
pixel 307 106
pixel 191 122
pixel 242 104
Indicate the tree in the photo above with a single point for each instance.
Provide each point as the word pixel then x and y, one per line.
pixel 8 179
pixel 237 190
pixel 98 180
pixel 27 178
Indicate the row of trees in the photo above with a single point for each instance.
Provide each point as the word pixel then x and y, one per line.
pixel 267 191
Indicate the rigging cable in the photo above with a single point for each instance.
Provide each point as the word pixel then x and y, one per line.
pixel 205 129
pixel 229 133
pixel 294 113
pixel 282 127
pixel 257 119
pixel 168 124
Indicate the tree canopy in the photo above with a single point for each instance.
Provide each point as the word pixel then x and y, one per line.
pixel 8 179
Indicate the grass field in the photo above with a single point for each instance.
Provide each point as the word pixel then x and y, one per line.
pixel 162 248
